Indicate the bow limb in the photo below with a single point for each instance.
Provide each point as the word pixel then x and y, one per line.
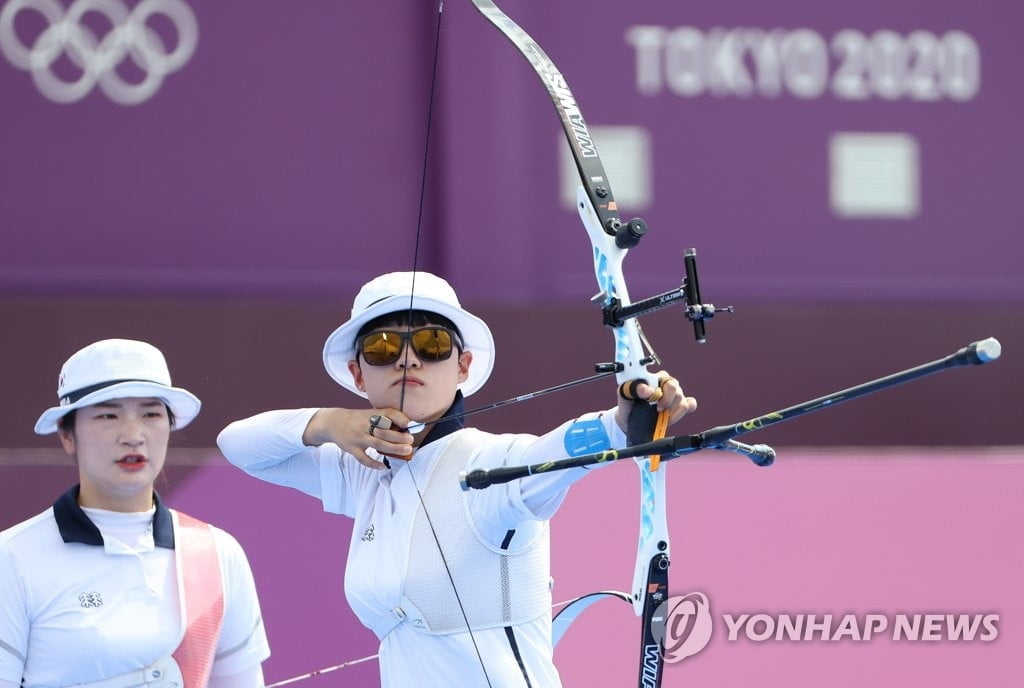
pixel 588 162
pixel 611 239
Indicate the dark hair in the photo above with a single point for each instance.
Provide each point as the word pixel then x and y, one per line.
pixel 67 421
pixel 409 319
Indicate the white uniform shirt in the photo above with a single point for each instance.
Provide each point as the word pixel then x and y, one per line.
pixel 93 594
pixel 383 502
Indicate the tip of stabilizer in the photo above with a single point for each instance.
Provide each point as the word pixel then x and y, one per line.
pixel 988 350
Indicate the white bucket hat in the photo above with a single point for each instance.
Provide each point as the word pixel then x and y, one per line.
pixel 394 292
pixel 116 369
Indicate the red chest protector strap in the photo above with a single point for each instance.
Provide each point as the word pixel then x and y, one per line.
pixel 202 599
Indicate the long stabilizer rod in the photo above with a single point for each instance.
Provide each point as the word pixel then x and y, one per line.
pixel 721 437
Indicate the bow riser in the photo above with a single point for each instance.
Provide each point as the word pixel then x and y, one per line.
pixel 629 353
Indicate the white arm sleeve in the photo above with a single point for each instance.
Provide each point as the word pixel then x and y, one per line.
pixel 537 497
pixel 542 494
pixel 269 446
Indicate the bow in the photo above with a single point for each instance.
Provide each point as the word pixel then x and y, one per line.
pixel 611 239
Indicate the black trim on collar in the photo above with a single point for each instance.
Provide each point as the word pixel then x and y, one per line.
pixel 450 425
pixel 75 525
pixel 163 524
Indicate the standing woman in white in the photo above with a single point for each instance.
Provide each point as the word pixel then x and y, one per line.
pixel 109 588
pixel 456 585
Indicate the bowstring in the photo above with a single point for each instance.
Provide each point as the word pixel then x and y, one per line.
pixel 408 345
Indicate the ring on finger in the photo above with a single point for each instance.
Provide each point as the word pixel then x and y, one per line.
pixel 378 421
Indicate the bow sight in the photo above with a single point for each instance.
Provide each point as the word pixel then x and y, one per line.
pixel 615 314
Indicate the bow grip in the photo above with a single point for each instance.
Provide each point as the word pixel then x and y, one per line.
pixel 643 416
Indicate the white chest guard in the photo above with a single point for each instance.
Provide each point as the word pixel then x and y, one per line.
pixel 498 585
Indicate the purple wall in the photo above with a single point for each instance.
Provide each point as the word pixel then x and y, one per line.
pixel 253 168
pixel 294 137
pixel 743 178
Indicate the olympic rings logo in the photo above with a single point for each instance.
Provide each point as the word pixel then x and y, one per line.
pixel 98 58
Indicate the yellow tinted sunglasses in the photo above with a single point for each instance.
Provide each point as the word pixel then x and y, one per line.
pixel 384 347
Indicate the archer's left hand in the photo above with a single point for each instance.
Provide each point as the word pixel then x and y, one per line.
pixel 672 400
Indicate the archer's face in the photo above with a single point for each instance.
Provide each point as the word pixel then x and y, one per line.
pixel 422 389
pixel 120 446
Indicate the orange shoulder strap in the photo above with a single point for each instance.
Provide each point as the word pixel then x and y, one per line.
pixel 199 583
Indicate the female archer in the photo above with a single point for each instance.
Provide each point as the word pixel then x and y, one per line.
pixel 456 585
pixel 109 588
